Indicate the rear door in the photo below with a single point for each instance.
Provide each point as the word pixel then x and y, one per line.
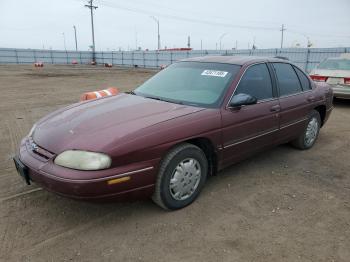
pixel 250 128
pixel 295 97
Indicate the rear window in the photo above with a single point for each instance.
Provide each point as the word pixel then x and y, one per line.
pixel 335 64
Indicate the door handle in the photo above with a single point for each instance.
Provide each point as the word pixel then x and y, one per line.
pixel 275 108
pixel 311 99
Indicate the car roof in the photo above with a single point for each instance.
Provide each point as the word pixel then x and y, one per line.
pixel 235 60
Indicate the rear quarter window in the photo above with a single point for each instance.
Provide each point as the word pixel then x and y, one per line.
pixel 304 81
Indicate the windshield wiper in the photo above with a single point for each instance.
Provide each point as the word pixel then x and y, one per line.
pixel 165 100
pixel 131 93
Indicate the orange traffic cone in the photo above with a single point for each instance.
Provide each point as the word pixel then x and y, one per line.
pixel 111 91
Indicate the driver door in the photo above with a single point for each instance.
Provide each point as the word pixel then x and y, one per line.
pixel 251 128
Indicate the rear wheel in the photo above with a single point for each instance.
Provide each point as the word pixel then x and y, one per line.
pixel 182 175
pixel 308 138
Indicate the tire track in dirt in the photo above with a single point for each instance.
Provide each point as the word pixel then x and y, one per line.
pixel 20 194
pixel 61 235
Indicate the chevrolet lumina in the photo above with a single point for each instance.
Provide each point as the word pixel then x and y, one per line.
pixel 165 138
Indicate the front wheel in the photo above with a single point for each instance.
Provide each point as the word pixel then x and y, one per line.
pixel 308 138
pixel 182 175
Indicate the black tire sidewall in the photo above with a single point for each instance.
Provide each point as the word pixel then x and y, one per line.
pixel 166 197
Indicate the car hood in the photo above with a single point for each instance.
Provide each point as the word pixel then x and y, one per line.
pixel 94 125
pixel 331 73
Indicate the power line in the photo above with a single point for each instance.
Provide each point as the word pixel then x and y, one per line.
pixel 180 18
pixel 92 7
pixel 208 22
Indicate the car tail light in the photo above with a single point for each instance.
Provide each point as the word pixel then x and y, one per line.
pixel 319 78
pixel 347 80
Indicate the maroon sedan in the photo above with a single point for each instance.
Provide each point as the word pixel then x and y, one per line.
pixel 166 137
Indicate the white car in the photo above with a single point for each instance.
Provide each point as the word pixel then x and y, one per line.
pixel 336 72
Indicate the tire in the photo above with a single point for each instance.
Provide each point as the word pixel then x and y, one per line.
pixel 309 136
pixel 182 165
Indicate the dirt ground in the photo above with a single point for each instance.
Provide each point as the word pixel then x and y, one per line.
pixel 282 205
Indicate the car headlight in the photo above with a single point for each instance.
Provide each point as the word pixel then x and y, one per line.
pixel 83 160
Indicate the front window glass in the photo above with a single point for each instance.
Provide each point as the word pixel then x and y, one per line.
pixel 190 83
pixel 256 82
pixel 335 64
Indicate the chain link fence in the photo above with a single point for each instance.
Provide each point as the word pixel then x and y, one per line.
pixel 306 58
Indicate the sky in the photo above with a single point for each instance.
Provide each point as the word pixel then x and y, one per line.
pixel 127 25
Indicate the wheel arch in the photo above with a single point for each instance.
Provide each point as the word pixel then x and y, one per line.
pixel 206 145
pixel 321 109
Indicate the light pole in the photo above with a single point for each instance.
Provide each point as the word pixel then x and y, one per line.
pixel 64 41
pixel 75 35
pixel 282 34
pixel 221 37
pixel 157 21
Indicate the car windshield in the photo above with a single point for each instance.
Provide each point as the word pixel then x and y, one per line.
pixel 335 64
pixel 190 83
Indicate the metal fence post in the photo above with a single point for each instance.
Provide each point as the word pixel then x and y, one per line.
pixel 81 61
pixel 67 57
pixel 132 59
pixel 51 55
pixel 34 55
pixel 171 57
pixel 307 59
pixel 122 58
pixel 144 59
pixel 157 58
pixel 16 52
pixel 112 58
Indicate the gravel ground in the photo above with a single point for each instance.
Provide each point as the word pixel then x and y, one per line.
pixel 281 205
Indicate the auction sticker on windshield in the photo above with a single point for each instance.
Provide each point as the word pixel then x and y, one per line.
pixel 214 73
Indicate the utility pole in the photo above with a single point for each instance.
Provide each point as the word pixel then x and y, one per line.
pixel 157 21
pixel 92 7
pixel 136 42
pixel 75 35
pixel 282 30
pixel 64 41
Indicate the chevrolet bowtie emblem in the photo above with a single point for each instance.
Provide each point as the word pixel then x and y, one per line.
pixel 34 146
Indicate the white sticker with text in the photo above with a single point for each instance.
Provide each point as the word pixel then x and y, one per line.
pixel 214 73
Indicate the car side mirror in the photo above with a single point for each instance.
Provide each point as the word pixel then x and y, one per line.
pixel 242 100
